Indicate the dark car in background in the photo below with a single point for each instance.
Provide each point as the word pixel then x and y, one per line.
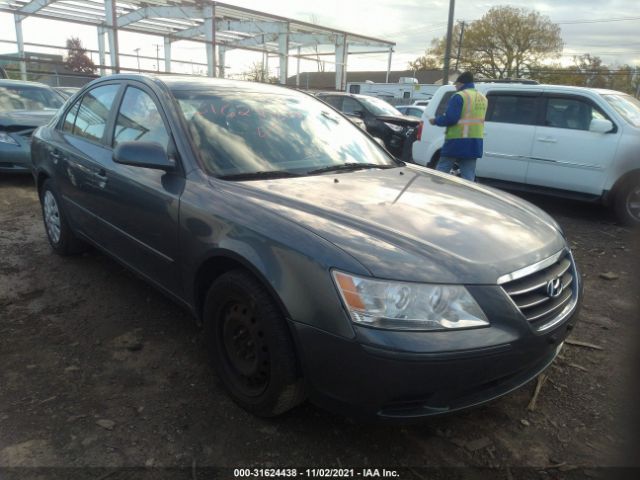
pixel 382 120
pixel 24 106
pixel 318 265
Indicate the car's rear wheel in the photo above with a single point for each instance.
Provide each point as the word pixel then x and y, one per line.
pixel 250 345
pixel 60 236
pixel 627 203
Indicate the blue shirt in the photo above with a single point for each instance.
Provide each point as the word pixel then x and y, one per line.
pixel 458 147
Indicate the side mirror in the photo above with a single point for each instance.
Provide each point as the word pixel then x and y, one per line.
pixel 143 154
pixel 599 125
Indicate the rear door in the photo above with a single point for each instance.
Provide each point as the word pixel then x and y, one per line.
pixel 78 154
pixel 139 207
pixel 566 154
pixel 509 130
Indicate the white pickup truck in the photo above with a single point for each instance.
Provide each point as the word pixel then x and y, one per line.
pixel 576 142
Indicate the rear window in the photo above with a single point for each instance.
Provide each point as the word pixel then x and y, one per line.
pixel 442 107
pixel 28 99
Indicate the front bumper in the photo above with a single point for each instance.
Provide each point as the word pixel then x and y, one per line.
pixel 393 375
pixel 15 158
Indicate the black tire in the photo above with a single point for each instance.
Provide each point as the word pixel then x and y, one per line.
pixel 60 236
pixel 433 163
pixel 250 345
pixel 627 203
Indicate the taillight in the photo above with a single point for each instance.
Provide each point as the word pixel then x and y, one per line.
pixel 419 134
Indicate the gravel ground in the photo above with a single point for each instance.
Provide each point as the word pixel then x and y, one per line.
pixel 98 369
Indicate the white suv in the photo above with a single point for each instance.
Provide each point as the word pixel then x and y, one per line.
pixel 577 142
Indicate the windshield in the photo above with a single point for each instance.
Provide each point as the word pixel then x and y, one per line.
pixel 379 107
pixel 242 132
pixel 28 98
pixel 627 106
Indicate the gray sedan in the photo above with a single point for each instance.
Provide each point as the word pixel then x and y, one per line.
pixel 318 265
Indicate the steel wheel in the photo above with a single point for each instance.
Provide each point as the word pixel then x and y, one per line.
pixel 246 352
pixel 52 217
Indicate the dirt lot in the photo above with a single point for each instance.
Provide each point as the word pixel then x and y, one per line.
pixel 97 369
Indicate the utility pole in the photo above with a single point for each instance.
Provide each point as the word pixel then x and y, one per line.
pixel 137 50
pixel 459 45
pixel 447 53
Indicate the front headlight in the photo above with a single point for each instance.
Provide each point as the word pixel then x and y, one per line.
pixel 394 127
pixel 408 306
pixel 6 138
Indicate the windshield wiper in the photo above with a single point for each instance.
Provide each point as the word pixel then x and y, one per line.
pixel 350 166
pixel 259 175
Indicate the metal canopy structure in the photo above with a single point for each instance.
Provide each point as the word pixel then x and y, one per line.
pixel 220 26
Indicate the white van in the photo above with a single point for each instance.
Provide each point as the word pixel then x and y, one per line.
pixel 576 142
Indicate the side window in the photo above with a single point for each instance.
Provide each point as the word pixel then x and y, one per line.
pixel 91 120
pixel 139 120
pixel 354 89
pixel 571 113
pixel 518 109
pixel 335 102
pixel 350 106
pixel 443 103
pixel 70 119
pixel 406 95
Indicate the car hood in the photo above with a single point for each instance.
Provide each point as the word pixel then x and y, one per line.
pixel 410 224
pixel 26 119
pixel 403 120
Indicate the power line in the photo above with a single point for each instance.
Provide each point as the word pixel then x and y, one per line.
pixel 602 20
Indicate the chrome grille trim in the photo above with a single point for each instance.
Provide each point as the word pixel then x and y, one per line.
pixel 527 290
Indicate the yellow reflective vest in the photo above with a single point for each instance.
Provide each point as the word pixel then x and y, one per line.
pixel 471 123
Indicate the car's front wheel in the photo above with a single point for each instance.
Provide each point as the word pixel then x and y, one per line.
pixel 250 345
pixel 627 203
pixel 60 236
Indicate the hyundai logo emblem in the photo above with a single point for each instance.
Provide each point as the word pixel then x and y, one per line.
pixel 554 287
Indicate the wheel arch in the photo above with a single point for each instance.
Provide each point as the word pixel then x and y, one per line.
pixel 216 264
pixel 610 196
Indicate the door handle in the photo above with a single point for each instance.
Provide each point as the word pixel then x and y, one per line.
pixel 101 176
pixel 56 155
pixel 547 139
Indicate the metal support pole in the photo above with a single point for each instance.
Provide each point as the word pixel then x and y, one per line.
pixel 283 47
pixel 341 63
pixel 101 50
pixel 298 69
pixel 20 41
pixel 459 45
pixel 167 55
pixel 112 32
pixel 389 65
pixel 266 64
pixel 447 54
pixel 221 61
pixel 210 27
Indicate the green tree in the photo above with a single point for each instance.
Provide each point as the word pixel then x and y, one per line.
pixel 77 59
pixel 506 42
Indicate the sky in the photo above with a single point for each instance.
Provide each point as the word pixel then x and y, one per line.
pixel 606 28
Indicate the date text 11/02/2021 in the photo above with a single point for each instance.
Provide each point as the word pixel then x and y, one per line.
pixel 315 472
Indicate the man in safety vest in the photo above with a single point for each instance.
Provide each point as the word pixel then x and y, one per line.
pixel 464 119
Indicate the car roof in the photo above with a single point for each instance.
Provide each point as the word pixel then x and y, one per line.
pixel 542 86
pixel 22 83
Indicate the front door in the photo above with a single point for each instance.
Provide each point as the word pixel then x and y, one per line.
pixel 566 154
pixel 139 210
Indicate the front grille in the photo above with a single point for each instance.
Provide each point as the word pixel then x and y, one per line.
pixel 538 295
